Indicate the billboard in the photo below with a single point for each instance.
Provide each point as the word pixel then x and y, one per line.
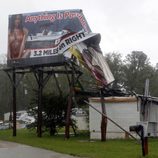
pixel 41 38
pixel 53 37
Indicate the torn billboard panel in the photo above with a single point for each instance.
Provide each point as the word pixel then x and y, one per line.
pixel 91 57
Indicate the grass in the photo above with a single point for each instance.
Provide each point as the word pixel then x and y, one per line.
pixel 81 146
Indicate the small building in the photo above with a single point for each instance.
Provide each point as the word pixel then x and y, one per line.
pixel 125 111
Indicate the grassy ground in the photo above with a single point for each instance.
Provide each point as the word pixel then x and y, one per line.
pixel 81 146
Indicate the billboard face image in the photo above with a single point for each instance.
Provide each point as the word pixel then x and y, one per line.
pixel 35 38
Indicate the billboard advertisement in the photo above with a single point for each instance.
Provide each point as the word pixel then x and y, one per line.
pixel 41 38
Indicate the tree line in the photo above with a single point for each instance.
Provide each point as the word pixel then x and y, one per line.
pixel 131 73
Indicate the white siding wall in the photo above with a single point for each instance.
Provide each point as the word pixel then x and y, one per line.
pixel 123 113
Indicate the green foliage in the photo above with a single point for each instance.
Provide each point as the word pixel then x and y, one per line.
pixel 132 72
pixel 54 109
pixel 137 69
pixel 153 85
pixel 5 93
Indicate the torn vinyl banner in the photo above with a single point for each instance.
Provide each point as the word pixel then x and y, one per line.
pixel 89 54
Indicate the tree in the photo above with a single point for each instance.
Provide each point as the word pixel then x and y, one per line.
pixel 53 112
pixel 137 69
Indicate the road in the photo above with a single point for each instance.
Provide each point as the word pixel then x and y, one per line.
pixel 15 150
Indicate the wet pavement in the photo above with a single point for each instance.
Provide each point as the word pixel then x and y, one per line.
pixel 15 150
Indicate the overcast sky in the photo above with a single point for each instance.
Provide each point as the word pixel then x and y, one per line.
pixel 125 25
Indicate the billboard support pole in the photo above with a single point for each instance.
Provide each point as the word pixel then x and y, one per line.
pixel 41 81
pixel 39 78
pixel 15 84
pixel 68 114
pixel 40 91
pixel 70 103
pixel 69 106
pixel 104 119
pixel 14 102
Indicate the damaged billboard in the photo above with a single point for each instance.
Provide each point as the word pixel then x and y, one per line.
pixel 53 37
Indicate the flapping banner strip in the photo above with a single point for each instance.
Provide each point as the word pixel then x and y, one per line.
pixel 94 61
